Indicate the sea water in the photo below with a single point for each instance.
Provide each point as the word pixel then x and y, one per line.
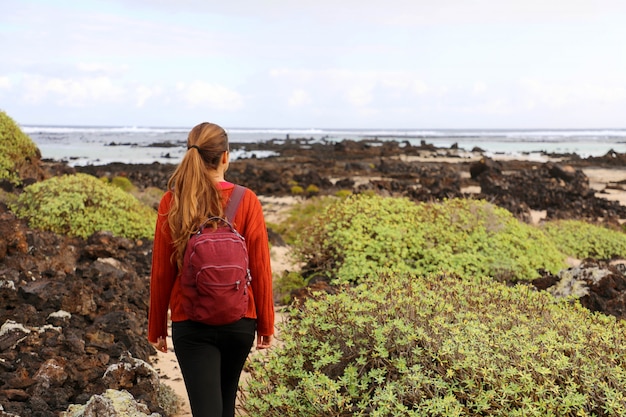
pixel 78 145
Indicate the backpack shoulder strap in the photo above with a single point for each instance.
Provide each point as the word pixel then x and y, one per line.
pixel 233 202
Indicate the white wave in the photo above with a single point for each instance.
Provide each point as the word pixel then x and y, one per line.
pixel 97 129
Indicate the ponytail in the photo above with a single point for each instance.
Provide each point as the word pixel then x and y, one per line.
pixel 196 196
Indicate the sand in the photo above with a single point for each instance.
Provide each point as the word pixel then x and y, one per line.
pixel 604 181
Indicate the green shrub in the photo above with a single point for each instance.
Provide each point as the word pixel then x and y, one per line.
pixel 343 193
pixel 297 190
pixel 80 205
pixel 361 235
pixel 584 240
pixel 150 196
pixel 285 284
pixel 312 190
pixel 122 183
pixel 403 345
pixel 300 216
pixel 168 400
pixel 16 151
pixel 7 197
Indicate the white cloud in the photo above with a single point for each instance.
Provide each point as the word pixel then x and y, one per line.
pixel 479 88
pixel 73 92
pixel 557 95
pixel 419 87
pixel 144 93
pixel 360 95
pixel 98 67
pixel 5 83
pixel 404 82
pixel 218 97
pixel 396 12
pixel 493 106
pixel 299 98
pixel 359 88
pixel 392 62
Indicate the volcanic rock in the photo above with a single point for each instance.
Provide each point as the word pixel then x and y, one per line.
pixel 599 285
pixel 69 310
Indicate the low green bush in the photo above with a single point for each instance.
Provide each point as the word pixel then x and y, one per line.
pixel 123 183
pixel 16 151
pixel 581 240
pixel 404 345
pixel 80 205
pixel 358 236
pixel 150 196
pixel 312 190
pixel 168 400
pixel 299 217
pixel 343 193
pixel 284 284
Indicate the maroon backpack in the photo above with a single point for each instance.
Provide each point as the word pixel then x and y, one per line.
pixel 216 274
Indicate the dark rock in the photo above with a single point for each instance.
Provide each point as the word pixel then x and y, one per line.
pixel 599 285
pixel 566 172
pixel 111 403
pixel 485 165
pixel 134 376
pixel 347 183
pixel 562 191
pixel 16 395
pixel 60 331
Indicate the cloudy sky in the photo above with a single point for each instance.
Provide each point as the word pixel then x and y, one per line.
pixel 315 63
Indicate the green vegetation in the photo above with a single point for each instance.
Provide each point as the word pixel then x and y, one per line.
pixel 343 193
pixel 286 283
pixel 312 190
pixel 584 240
pixel 80 205
pixel 404 345
pixel 168 400
pixel 150 196
pixel 122 183
pixel 16 151
pixel 358 236
pixel 424 321
pixel 300 216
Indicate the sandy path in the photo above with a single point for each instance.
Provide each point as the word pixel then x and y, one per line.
pixel 609 183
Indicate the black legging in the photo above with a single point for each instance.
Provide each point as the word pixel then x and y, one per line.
pixel 211 359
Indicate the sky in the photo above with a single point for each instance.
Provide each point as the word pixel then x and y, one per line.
pixel 393 64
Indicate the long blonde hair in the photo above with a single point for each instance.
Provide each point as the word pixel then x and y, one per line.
pixel 195 194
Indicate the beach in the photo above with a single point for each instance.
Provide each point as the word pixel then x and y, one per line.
pixel 93 145
pixel 103 280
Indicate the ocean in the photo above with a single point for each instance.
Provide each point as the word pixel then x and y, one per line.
pixel 78 145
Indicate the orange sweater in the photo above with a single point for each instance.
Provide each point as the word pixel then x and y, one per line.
pixel 165 287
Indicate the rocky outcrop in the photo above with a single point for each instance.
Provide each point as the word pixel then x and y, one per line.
pixel 113 403
pixel 561 190
pixel 396 168
pixel 599 285
pixel 73 313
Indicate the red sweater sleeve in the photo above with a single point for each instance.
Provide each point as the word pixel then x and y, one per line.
pixel 165 287
pixel 163 273
pixel 250 222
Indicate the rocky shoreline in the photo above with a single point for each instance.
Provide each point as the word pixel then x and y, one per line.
pixel 72 310
pixel 422 173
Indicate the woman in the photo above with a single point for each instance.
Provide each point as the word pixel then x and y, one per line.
pixel 211 358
